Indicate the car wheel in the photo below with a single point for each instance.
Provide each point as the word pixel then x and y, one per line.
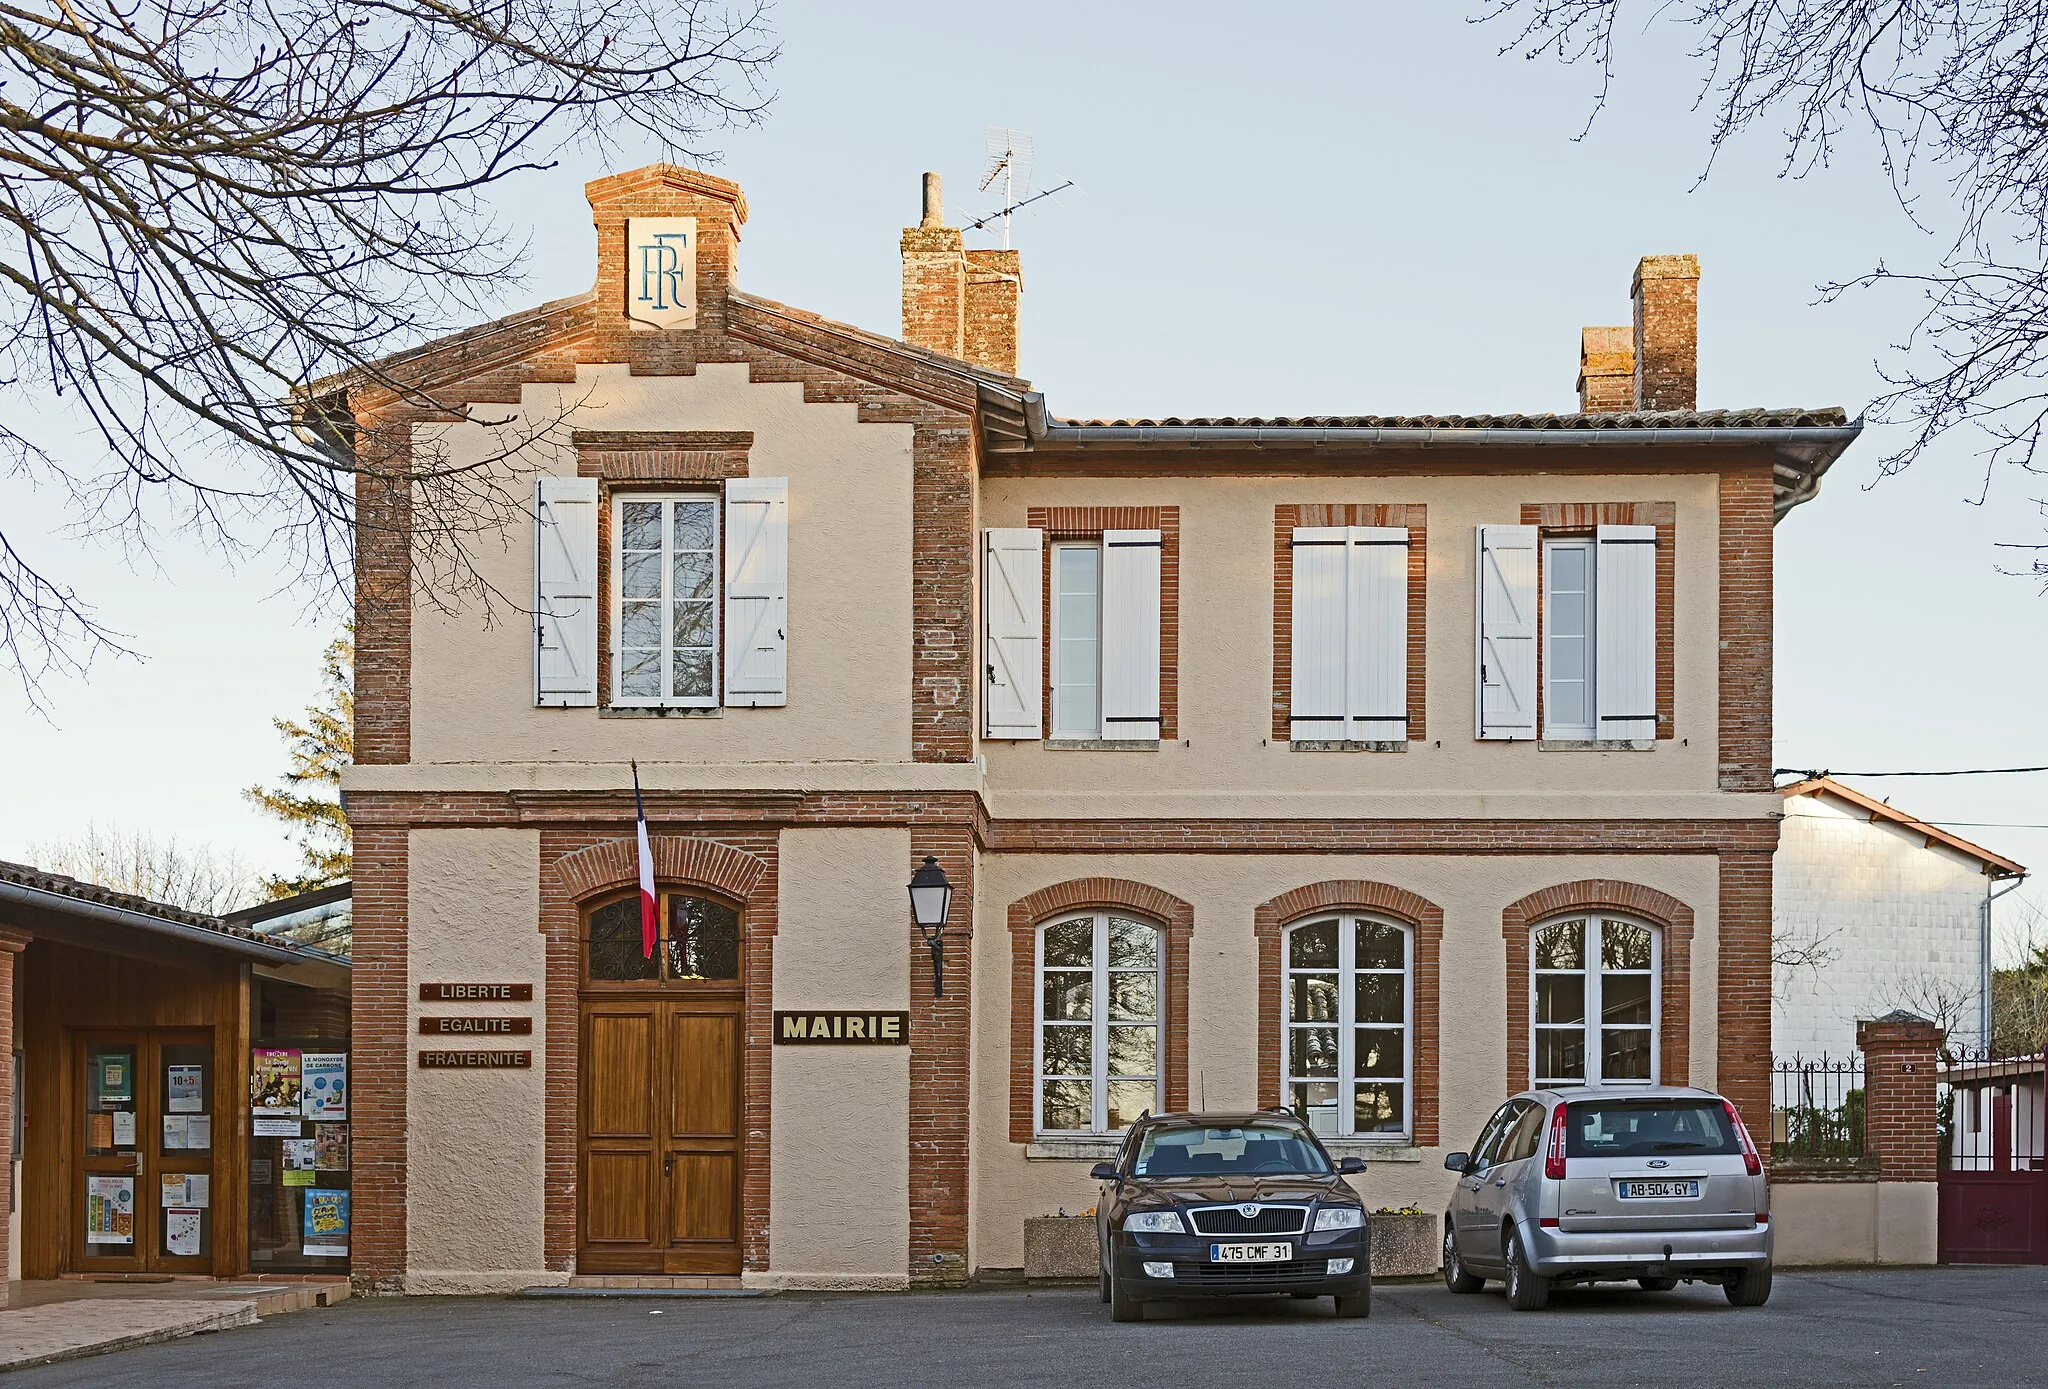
pixel 1455 1276
pixel 1749 1288
pixel 1656 1285
pixel 1527 1291
pixel 1122 1306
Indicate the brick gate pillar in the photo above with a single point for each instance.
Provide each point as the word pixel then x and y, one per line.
pixel 1901 1132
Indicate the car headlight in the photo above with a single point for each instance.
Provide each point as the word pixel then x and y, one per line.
pixel 1340 1218
pixel 1153 1222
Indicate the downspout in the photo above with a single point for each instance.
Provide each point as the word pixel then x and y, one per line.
pixel 1984 956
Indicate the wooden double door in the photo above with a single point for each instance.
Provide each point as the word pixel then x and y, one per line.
pixel 142 1148
pixel 661 1139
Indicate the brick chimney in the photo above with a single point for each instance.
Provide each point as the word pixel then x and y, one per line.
pixel 1607 370
pixel 956 301
pixel 686 228
pixel 1667 304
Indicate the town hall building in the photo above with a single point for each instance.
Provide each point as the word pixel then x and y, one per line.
pixel 1373 766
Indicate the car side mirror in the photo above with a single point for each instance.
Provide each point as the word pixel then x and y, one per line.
pixel 1350 1165
pixel 1457 1162
pixel 1104 1172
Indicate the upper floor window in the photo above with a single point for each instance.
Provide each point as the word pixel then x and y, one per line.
pixel 1077 641
pixel 1348 1057
pixel 665 560
pixel 1568 711
pixel 1099 992
pixel 1348 634
pixel 1598 1008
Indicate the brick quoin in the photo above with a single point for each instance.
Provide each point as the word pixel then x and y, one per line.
pixel 1746 558
pixel 379 1056
pixel 1742 1065
pixel 1425 922
pixel 1176 919
pixel 1521 917
pixel 1285 519
pixel 941 1059
pixel 1901 1127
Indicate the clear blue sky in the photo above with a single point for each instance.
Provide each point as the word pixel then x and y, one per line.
pixel 1306 208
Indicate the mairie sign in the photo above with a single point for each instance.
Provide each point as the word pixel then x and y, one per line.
pixel 661 272
pixel 862 1029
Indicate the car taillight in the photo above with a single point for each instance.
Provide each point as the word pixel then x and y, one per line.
pixel 1553 1156
pixel 1750 1160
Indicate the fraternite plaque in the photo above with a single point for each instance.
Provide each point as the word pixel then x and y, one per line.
pixel 476 1060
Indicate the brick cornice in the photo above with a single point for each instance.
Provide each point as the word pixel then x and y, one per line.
pixel 1674 986
pixel 1425 920
pixel 1027 913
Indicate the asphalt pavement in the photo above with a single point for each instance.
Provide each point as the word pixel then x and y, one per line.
pixel 1950 1326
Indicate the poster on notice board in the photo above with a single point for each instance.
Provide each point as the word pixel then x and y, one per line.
pixel 326 1224
pixel 182 1231
pixel 109 1210
pixel 325 1078
pixel 186 1090
pixel 274 1088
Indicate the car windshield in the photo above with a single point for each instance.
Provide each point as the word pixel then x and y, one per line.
pixel 1227 1151
pixel 1645 1128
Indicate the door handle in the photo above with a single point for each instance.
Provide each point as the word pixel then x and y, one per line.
pixel 1500 1181
pixel 668 1163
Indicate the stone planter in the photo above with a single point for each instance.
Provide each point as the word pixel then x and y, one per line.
pixel 1057 1247
pixel 1060 1246
pixel 1406 1246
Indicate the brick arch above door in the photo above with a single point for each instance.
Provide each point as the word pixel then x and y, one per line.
pixel 1674 985
pixel 1176 920
pixel 615 863
pixel 1425 921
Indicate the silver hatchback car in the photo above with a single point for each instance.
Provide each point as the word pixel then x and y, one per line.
pixel 1588 1185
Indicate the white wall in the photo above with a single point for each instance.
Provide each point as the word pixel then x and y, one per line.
pixel 1901 917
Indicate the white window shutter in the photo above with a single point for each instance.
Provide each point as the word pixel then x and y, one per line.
pixel 565 592
pixel 756 591
pixel 1315 692
pixel 1013 576
pixel 1130 634
pixel 1377 676
pixel 1506 647
pixel 1625 641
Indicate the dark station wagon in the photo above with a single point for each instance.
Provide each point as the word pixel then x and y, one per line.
pixel 1204 1205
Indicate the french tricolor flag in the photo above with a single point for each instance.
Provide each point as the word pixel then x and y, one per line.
pixel 650 908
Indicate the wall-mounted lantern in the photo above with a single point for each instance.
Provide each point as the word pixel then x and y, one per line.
pixel 931 896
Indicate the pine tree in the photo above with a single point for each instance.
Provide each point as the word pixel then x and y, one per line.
pixel 309 800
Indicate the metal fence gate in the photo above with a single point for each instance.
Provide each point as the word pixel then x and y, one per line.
pixel 1993 1174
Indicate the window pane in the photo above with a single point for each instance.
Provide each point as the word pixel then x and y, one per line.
pixel 1132 944
pixel 1067 1104
pixel 1380 947
pixel 1623 946
pixel 1313 947
pixel 1130 1098
pixel 693 577
pixel 1070 943
pixel 1069 996
pixel 692 674
pixel 1560 998
pixel 693 624
pixel 1076 713
pixel 615 943
pixel 1079 565
pixel 640 576
pixel 1312 1051
pixel 694 525
pixel 1625 998
pixel 1381 998
pixel 1562 946
pixel 1378 1052
pixel 1568 568
pixel 1313 998
pixel 1560 1053
pixel 1067 1050
pixel 703 939
pixel 641 679
pixel 1316 1102
pixel 641 526
pixel 1376 1108
pixel 639 625
pixel 1133 1051
pixel 1624 1053
pixel 1133 997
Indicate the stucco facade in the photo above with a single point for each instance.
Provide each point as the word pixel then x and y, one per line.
pixel 494 801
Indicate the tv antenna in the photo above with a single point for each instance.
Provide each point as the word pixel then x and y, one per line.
pixel 1009 163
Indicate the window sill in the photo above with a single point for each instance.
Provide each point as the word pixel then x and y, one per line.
pixel 1371 1152
pixel 1102 744
pixel 658 711
pixel 1346 745
pixel 1596 745
pixel 1102 1149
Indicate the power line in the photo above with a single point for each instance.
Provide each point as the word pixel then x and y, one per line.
pixel 1961 771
